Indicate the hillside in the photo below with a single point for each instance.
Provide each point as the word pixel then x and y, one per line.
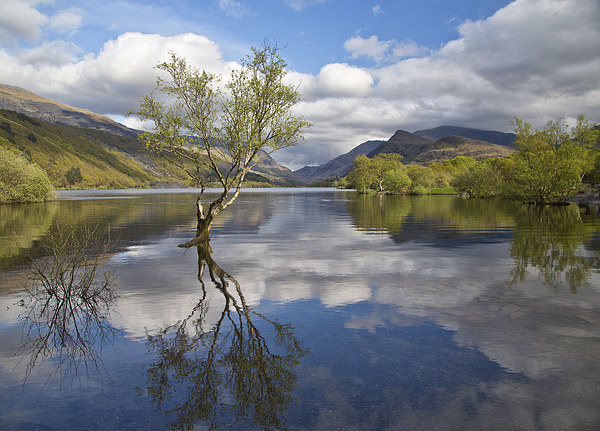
pixel 499 138
pixel 338 167
pixel 20 100
pixel 450 147
pixel 404 143
pixel 59 137
pixel 105 159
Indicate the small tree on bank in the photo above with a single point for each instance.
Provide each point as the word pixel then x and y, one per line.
pixel 222 134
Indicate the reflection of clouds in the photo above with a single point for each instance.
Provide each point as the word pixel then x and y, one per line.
pixel 340 292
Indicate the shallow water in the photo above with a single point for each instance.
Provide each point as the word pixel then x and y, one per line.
pixel 317 309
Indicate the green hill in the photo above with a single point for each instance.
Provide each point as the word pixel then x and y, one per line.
pixel 105 160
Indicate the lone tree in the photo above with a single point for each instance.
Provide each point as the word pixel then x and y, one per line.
pixel 220 133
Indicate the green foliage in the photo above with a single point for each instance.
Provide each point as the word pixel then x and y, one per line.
pixel 480 180
pixel 396 181
pixel 204 127
pixel 372 173
pixel 549 164
pixel 593 173
pixel 21 181
pixel 73 175
pixel 422 178
pixel 361 177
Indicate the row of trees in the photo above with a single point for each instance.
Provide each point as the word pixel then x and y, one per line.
pixel 547 167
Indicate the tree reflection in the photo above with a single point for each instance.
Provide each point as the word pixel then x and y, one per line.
pixel 238 366
pixel 68 298
pixel 550 239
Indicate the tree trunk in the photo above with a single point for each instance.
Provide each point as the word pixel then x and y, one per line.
pixel 205 220
pixel 203 227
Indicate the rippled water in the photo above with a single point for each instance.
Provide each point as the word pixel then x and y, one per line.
pixel 316 309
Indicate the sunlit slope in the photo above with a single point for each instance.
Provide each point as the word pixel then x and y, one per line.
pixel 105 159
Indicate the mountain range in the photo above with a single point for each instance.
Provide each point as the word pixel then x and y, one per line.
pixel 422 147
pixel 58 136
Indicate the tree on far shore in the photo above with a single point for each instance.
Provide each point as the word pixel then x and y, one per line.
pixel 549 164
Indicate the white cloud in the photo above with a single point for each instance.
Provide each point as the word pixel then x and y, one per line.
pixel 343 80
pixel 299 5
pixel 115 79
pixel 382 50
pixel 377 10
pixel 19 20
pixel 535 59
pixel 57 53
pixel 234 8
pixel 66 20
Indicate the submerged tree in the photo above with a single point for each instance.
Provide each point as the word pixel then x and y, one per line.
pixel 240 366
pixel 68 299
pixel 222 133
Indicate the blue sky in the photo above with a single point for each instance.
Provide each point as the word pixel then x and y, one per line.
pixel 365 68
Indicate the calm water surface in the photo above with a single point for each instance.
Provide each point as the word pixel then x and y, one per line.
pixel 315 309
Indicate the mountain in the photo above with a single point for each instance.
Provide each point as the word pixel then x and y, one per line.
pixel 423 149
pixel 338 167
pixel 499 138
pixel 404 143
pixel 450 147
pixel 106 160
pixel 20 100
pixel 58 136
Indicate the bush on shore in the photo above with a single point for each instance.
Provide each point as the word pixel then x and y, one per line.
pixel 22 181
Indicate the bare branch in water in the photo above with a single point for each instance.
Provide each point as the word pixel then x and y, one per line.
pixel 68 298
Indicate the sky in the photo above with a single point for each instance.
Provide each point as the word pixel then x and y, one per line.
pixel 364 68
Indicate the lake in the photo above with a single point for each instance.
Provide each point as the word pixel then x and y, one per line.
pixel 313 309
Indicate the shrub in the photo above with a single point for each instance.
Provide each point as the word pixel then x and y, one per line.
pixel 396 181
pixel 73 175
pixel 21 181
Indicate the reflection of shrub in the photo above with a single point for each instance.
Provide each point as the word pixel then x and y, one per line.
pixel 21 181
